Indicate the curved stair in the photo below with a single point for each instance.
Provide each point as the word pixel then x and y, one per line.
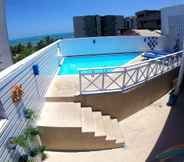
pixel 68 126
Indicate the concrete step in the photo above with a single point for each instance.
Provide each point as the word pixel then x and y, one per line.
pixel 108 127
pixel 73 139
pixel 60 114
pixel 88 124
pixel 67 126
pixel 117 132
pixel 99 127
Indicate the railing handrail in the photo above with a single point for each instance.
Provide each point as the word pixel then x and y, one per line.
pixel 131 65
pixel 92 81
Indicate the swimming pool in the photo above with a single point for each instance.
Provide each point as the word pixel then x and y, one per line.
pixel 72 64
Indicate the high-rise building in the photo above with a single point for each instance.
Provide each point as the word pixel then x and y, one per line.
pixel 87 26
pixel 95 25
pixel 148 19
pixel 111 24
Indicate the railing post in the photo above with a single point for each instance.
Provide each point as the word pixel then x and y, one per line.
pixel 137 74
pixel 178 60
pixel 168 62
pixel 148 69
pixel 156 69
pixel 124 78
pixel 59 55
pixel 103 75
pixel 163 66
pixel 80 82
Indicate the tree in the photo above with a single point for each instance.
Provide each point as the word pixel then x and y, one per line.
pixel 29 45
pixel 20 51
pixel 48 40
pixel 40 44
pixel 19 48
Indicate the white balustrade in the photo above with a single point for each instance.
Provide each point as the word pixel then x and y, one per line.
pixel 122 78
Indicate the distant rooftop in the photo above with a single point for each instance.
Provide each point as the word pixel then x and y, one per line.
pixel 143 32
pixel 148 11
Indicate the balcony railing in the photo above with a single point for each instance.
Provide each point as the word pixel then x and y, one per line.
pixel 123 78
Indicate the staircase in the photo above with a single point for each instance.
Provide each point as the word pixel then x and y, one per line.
pixel 68 126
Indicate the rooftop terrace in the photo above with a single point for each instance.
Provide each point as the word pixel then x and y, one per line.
pixel 141 132
pixel 90 111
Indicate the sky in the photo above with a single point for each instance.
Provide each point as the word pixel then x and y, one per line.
pixel 37 17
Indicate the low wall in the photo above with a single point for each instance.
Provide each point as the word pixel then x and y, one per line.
pixel 122 105
pixel 111 44
pixel 34 88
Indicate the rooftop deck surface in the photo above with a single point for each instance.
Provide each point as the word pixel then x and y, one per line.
pixel 142 132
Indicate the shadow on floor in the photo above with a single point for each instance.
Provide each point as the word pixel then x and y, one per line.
pixel 173 131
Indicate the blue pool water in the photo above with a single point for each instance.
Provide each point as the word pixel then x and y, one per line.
pixel 72 64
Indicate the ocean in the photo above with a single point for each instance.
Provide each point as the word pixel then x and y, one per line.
pixel 36 39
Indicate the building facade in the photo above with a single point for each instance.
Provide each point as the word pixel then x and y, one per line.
pixel 5 54
pixel 87 26
pixel 173 24
pixel 130 23
pixel 148 19
pixel 95 25
pixel 111 24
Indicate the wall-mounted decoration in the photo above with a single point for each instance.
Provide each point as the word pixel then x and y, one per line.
pixel 17 92
pixel 151 42
pixel 35 70
pixel 94 41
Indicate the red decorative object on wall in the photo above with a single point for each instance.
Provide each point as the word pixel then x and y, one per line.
pixel 17 93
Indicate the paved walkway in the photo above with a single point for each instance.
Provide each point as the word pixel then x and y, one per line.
pixel 64 86
pixel 68 85
pixel 141 131
pixel 173 132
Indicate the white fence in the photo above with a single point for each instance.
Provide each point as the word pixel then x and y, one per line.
pixel 34 88
pixel 100 80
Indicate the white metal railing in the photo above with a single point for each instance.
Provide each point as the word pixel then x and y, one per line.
pixel 122 78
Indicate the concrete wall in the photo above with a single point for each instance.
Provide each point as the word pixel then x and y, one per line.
pixel 111 44
pixel 122 105
pixel 5 54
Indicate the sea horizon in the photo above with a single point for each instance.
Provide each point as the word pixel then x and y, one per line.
pixel 35 39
